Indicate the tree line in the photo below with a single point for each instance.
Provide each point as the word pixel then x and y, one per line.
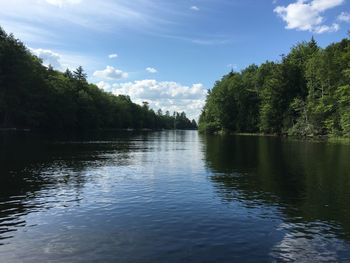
pixel 306 93
pixel 36 97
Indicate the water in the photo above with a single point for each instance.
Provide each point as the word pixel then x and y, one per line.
pixel 173 196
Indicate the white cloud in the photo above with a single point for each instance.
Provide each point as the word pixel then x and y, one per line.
pixel 61 60
pixel 344 17
pixel 111 73
pixel 104 85
pixel 152 89
pixel 210 42
pixel 194 8
pixel 61 3
pixel 324 28
pixel 103 16
pixel 49 57
pixel 113 56
pixel 323 5
pixel 117 17
pixel 307 15
pixel 28 33
pixel 151 70
pixel 165 95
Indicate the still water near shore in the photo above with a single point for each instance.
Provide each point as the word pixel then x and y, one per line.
pixel 173 196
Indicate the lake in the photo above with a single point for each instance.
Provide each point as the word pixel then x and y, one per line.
pixel 173 196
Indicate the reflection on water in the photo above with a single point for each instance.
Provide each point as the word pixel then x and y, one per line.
pixel 172 196
pixel 307 183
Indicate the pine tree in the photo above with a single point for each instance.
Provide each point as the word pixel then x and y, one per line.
pixel 68 74
pixel 79 74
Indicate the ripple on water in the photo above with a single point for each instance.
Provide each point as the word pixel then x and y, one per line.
pixel 172 197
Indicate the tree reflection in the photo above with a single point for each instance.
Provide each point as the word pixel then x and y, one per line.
pixel 36 171
pixel 307 181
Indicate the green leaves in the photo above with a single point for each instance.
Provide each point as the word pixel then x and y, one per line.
pixel 306 94
pixel 33 96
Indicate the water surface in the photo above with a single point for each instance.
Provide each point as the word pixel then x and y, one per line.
pixel 173 196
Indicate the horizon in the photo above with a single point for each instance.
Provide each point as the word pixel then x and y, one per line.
pixel 168 54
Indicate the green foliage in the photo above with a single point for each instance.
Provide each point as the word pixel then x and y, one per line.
pixel 35 97
pixel 232 104
pixel 307 93
pixel 343 97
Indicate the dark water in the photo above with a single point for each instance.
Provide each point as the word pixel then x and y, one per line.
pixel 173 197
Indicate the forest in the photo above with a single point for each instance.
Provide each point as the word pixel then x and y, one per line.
pixel 36 97
pixel 305 93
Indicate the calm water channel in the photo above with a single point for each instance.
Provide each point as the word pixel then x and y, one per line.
pixel 173 196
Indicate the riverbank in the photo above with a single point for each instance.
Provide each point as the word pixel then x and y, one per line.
pixel 84 132
pixel 318 138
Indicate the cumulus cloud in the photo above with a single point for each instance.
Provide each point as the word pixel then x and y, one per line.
pixel 62 60
pixel 152 89
pixel 104 85
pixel 111 73
pixel 324 28
pixel 151 70
pixel 61 3
pixel 165 95
pixel 308 15
pixel 195 8
pixel 49 57
pixel 344 17
pixel 113 56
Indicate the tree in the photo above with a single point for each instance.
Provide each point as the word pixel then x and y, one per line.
pixel 41 98
pixel 306 93
pixel 79 74
pixel 68 74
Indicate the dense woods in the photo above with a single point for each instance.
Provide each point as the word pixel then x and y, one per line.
pixel 33 96
pixel 306 93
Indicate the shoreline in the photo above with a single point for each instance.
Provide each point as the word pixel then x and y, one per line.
pixel 315 138
pixel 97 130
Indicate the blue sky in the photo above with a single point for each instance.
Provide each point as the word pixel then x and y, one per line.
pixel 169 52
